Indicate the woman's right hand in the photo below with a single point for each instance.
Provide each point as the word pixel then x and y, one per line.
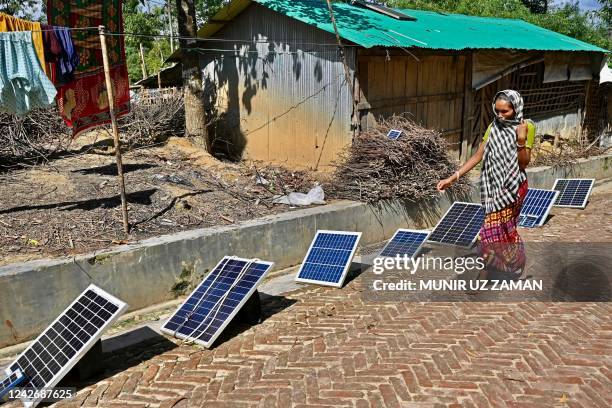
pixel 444 184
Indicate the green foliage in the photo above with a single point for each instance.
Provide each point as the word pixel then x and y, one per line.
pixel 571 21
pixel 605 13
pixel 207 8
pixel 146 22
pixel 25 9
pixel 536 6
pixel 153 20
pixel 154 56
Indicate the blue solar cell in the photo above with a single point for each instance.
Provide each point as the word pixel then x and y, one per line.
pixel 537 205
pixel 12 381
pixel 212 305
pixel 405 242
pixel 328 258
pixel 394 134
pixel 460 225
pixel 67 339
pixel 528 221
pixel 573 192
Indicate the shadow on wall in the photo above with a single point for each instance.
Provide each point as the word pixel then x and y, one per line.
pixel 234 77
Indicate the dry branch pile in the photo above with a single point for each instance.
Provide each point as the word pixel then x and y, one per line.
pixel 376 167
pixel 153 119
pixel 42 132
pixel 35 135
pixel 562 152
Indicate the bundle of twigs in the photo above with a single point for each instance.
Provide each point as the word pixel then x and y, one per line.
pixel 564 154
pixel 42 132
pixel 32 136
pixel 376 167
pixel 153 119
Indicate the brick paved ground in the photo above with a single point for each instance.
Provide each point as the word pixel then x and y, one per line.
pixel 327 347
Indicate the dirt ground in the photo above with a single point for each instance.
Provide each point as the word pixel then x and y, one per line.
pixel 71 204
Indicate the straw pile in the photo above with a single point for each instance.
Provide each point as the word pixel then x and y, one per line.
pixel 376 168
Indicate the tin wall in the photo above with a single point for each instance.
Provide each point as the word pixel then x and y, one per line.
pixel 278 90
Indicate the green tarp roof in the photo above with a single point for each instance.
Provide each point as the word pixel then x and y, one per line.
pixel 430 29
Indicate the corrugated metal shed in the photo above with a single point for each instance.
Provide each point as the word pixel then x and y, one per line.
pixel 431 30
pixel 278 101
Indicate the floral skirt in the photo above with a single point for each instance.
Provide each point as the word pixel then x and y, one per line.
pixel 500 244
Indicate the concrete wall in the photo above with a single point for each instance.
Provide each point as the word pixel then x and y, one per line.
pixel 567 125
pixel 160 269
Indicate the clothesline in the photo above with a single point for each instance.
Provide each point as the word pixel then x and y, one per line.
pixel 68 28
pixel 246 41
pixel 220 39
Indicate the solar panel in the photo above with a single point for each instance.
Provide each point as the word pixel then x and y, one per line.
pixel 213 304
pixel 528 221
pixel 573 193
pixel 537 204
pixel 329 257
pixel 10 382
pixel 51 356
pixel 381 8
pixel 460 225
pixel 394 134
pixel 405 242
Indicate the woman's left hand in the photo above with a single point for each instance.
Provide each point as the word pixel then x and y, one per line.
pixel 521 132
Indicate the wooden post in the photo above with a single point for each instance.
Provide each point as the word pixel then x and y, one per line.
pixel 143 64
pixel 468 110
pixel 111 110
pixel 347 72
pixel 161 54
pixel 169 14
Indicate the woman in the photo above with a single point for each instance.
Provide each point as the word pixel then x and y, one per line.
pixel 505 151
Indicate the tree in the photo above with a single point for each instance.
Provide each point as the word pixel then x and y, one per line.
pixel 138 20
pixel 605 13
pixel 26 9
pixel 195 119
pixel 537 6
pixel 205 9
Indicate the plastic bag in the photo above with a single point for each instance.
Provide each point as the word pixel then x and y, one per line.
pixel 314 196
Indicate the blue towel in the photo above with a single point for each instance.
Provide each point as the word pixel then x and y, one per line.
pixel 23 83
pixel 70 58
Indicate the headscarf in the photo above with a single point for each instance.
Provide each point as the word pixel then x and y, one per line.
pixel 500 174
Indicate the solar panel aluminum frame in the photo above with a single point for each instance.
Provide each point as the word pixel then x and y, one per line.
pixel 586 197
pixel 122 306
pixel 231 316
pixel 521 224
pixel 406 230
pixel 442 218
pixel 9 373
pixel 346 268
pixel 391 134
pixel 545 215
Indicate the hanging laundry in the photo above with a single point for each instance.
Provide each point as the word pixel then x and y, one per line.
pixel 83 102
pixel 9 23
pixel 23 84
pixel 60 54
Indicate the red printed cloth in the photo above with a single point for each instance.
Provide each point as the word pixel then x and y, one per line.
pixel 500 243
pixel 83 102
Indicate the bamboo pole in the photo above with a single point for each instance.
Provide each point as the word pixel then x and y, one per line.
pixel 347 72
pixel 143 64
pixel 111 110
pixel 169 14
